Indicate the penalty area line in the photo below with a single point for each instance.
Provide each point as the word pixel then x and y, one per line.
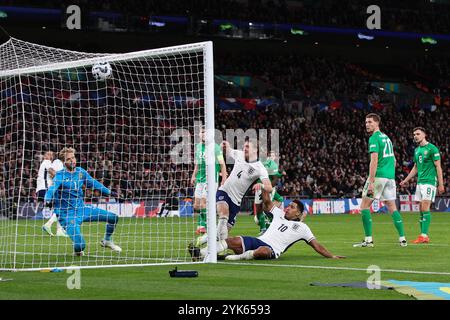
pixel 333 268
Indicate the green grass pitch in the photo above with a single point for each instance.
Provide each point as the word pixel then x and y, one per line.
pixel 286 278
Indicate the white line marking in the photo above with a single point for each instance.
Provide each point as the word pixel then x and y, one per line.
pixel 333 268
pixel 394 243
pixel 87 255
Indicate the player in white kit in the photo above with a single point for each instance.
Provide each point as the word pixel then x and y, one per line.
pixel 285 230
pixel 246 170
pixel 47 171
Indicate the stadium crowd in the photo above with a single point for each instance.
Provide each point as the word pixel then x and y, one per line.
pixel 412 16
pixel 126 144
pixel 309 77
pixel 324 153
pixel 435 70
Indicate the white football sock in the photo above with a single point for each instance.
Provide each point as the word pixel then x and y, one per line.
pixel 247 255
pixel 202 239
pixel 222 228
pixel 402 239
pixel 368 239
pixel 59 228
pixel 222 245
pixel 52 220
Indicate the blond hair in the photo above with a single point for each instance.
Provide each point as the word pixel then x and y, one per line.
pixel 64 151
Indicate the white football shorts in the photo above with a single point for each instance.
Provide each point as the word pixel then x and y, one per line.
pixel 200 189
pixel 425 192
pixel 383 189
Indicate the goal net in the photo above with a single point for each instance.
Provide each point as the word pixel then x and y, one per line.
pixel 133 131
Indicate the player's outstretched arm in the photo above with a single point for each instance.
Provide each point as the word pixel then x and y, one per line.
pixel 411 175
pixel 194 175
pixel 52 172
pixel 441 188
pixel 94 184
pixel 230 152
pixel 322 250
pixel 267 185
pixel 267 201
pixel 223 170
pixel 225 144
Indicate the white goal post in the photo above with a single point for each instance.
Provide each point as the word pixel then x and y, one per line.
pixel 123 128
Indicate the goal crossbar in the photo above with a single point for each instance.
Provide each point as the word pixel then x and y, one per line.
pixel 154 53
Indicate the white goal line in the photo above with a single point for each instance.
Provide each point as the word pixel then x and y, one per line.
pixel 334 268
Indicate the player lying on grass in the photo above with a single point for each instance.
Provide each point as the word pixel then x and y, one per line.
pixel 285 230
pixel 246 170
pixel 67 198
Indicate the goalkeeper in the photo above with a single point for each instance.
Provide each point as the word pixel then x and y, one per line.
pixel 66 195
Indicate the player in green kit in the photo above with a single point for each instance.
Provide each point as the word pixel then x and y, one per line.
pixel 261 219
pixel 199 179
pixel 427 165
pixel 381 181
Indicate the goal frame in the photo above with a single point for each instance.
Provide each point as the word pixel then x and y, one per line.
pixel 208 80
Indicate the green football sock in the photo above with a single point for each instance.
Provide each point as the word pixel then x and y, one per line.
pixel 199 217
pixel 261 220
pixel 421 221
pixel 426 222
pixel 397 218
pixel 367 222
pixel 202 220
pixel 268 222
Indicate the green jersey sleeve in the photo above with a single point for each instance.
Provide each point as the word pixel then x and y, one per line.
pixel 218 153
pixel 271 166
pixel 436 155
pixel 373 144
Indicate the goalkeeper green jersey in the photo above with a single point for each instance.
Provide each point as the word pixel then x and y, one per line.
pixel 424 158
pixel 381 144
pixel 200 150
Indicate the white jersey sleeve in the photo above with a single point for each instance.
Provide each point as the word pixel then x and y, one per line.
pixel 276 213
pixel 263 174
pixel 57 165
pixel 44 180
pixel 283 233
